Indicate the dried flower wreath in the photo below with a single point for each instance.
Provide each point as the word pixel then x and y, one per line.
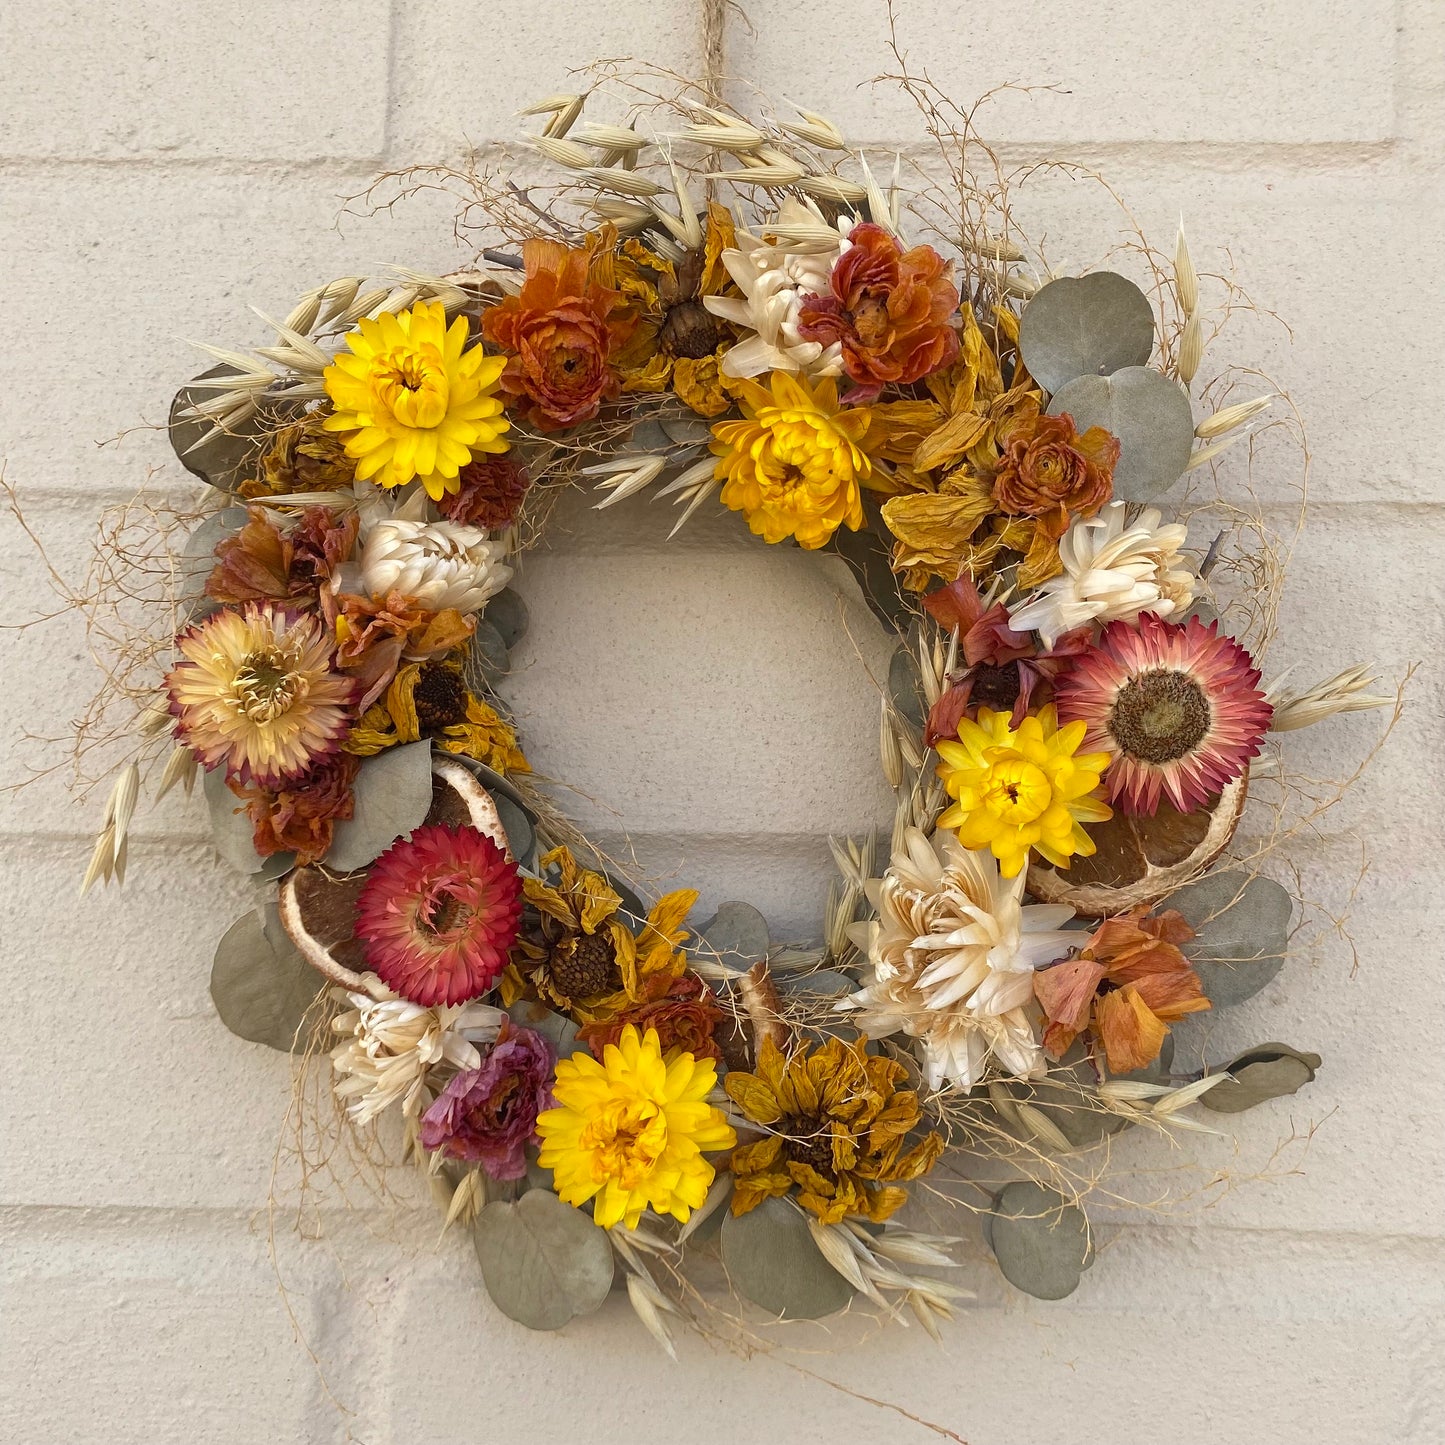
pixel 1073 720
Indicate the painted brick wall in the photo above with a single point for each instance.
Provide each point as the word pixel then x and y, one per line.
pixel 161 167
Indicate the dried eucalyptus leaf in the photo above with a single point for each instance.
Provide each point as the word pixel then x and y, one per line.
pixel 738 932
pixel 1068 1097
pixel 198 556
pixel 560 1032
pixel 544 1262
pixel 647 438
pixel 1202 611
pixel 869 555
pixel 508 614
pixel 486 659
pixel 393 795
pixel 228 458
pixel 1241 927
pixel 688 430
pixel 905 687
pixel 232 831
pixel 1269 1071
pixel 1151 416
pixel 822 983
pixel 1085 326
pixel 260 985
pixel 1040 1240
pixel 521 836
pixel 771 1259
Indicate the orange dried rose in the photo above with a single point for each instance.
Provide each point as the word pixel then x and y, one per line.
pixel 889 309
pixel 301 816
pixel 375 634
pixel 561 331
pixel 1049 472
pixel 1127 985
pixel 684 1011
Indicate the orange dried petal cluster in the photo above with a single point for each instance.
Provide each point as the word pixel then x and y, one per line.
pixel 561 332
pixel 1050 472
pixel 889 309
pixel 1127 985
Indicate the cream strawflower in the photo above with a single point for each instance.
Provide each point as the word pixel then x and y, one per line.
pixel 1113 570
pixel 391 1044
pixel 953 953
pixel 440 564
pixel 774 276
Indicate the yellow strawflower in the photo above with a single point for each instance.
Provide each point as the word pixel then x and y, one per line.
pixel 794 464
pixel 416 400
pixel 1014 791
pixel 630 1131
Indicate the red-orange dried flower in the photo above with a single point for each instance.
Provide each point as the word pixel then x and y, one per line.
pixel 262 562
pixel 684 1011
pixel 1048 471
pixel 890 310
pixel 561 331
pixel 1127 985
pixel 300 816
pixel 490 494
pixel 375 634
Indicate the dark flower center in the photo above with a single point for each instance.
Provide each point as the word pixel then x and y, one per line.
pixel 996 688
pixel 584 965
pixel 440 698
pixel 691 330
pixel 1160 716
pixel 808 1141
pixel 447 913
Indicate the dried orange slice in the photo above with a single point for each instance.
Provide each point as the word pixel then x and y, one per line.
pixel 318 908
pixel 1141 859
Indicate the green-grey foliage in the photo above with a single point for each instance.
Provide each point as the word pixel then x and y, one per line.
pixel 1085 326
pixel 260 985
pixel 771 1259
pixel 393 795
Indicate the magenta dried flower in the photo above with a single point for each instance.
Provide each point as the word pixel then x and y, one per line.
pixel 488 1115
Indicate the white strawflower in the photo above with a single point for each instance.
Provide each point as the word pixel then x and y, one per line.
pixel 953 953
pixel 392 1044
pixel 774 276
pixel 441 564
pixel 1113 570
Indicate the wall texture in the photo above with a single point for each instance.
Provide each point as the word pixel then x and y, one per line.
pixel 161 167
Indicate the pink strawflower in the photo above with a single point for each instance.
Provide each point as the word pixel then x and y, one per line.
pixel 488 1115
pixel 1178 706
pixel 439 913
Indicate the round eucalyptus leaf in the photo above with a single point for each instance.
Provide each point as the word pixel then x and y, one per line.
pixel 822 983
pixel 544 1262
pixel 560 1032
pixel 1068 1097
pixel 260 985
pixel 521 836
pixel 392 795
pixel 647 437
pixel 905 688
pixel 231 457
pixel 1085 326
pixel 688 430
pixel 738 932
pixel 232 831
pixel 1151 416
pixel 1040 1240
pixel 771 1259
pixel 1201 611
pixel 1241 932
pixel 198 556
pixel 508 614
pixel 486 659
pixel 869 555
pixel 1269 1071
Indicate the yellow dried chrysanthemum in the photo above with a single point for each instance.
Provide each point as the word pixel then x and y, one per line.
pixel 794 465
pixel 630 1131
pixel 1016 791
pixel 838 1127
pixel 580 956
pixel 415 399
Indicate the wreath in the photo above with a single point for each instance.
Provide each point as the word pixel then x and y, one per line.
pixel 1022 473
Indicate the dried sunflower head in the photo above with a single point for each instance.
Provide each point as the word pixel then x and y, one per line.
pixel 838 1124
pixel 578 954
pixel 302 458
